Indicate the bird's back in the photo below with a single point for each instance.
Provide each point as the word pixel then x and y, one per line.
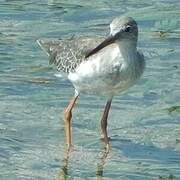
pixel 67 54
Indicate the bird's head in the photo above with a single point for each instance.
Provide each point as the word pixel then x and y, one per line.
pixel 123 29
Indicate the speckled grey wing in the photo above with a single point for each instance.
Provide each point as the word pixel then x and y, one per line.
pixel 68 54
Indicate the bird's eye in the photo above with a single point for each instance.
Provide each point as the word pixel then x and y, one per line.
pixel 127 29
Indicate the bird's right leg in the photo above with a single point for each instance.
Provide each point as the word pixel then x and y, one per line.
pixel 104 124
pixel 67 121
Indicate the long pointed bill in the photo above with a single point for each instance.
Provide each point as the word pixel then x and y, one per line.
pixel 105 43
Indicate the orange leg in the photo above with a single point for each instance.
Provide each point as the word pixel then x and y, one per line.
pixel 104 124
pixel 67 121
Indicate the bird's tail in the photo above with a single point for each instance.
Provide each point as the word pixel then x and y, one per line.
pixel 45 45
pixel 49 47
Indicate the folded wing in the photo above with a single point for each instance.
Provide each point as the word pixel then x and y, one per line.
pixel 67 54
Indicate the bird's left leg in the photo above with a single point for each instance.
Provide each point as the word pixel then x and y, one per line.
pixel 104 123
pixel 67 121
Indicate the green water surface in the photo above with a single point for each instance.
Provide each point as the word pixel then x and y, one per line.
pixel 144 123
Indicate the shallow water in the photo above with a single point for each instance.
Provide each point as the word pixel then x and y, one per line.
pixel 144 123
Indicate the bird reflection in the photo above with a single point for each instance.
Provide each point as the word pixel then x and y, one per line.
pixel 63 175
pixel 101 164
pixel 64 171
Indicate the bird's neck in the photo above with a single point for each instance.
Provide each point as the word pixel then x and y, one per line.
pixel 128 50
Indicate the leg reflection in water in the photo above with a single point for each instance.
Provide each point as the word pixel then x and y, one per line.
pixel 63 175
pixel 101 164
pixel 64 171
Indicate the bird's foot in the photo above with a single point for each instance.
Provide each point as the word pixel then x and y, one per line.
pixel 70 148
pixel 107 148
pixel 103 139
pixel 107 145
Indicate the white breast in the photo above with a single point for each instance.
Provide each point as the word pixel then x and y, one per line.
pixel 103 73
pixel 97 64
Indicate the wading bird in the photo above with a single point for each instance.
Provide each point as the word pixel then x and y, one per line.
pixel 101 66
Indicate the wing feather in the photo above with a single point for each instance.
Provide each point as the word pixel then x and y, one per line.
pixel 67 54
